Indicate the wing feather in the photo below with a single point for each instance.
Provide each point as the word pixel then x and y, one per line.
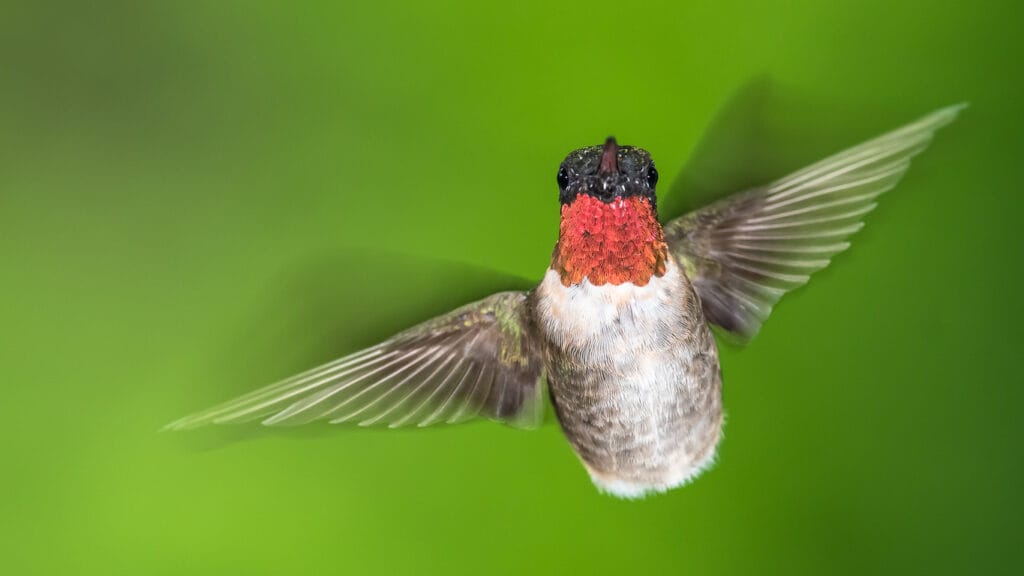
pixel 478 360
pixel 744 252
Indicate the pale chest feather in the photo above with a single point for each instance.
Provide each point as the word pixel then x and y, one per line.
pixel 633 372
pixel 601 323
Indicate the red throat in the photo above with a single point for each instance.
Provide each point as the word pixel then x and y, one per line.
pixel 614 242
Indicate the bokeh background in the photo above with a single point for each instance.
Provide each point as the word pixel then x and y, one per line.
pixel 197 198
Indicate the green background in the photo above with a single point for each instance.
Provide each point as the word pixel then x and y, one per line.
pixel 197 198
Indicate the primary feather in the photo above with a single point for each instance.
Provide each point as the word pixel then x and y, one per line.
pixel 476 361
pixel 744 252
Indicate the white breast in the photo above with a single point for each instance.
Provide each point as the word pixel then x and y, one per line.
pixel 646 411
pixel 609 320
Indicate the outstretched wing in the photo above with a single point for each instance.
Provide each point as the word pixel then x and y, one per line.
pixel 478 360
pixel 744 252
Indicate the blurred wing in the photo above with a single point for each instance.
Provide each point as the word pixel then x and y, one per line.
pixel 478 360
pixel 744 252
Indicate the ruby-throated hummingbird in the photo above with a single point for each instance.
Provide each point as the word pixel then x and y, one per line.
pixel 618 333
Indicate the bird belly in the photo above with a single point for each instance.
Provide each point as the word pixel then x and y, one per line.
pixel 634 376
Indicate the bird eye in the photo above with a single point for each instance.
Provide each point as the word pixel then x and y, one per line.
pixel 652 176
pixel 563 177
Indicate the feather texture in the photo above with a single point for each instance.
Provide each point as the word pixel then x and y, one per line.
pixel 477 361
pixel 744 252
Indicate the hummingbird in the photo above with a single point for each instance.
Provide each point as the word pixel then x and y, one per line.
pixel 618 333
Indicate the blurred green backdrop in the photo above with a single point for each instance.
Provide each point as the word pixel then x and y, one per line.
pixel 199 197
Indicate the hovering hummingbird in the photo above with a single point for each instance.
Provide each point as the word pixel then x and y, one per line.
pixel 618 333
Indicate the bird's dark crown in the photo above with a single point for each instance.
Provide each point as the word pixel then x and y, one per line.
pixel 607 172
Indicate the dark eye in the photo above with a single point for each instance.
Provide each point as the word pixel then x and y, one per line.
pixel 652 176
pixel 563 177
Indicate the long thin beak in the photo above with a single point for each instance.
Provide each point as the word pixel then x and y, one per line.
pixel 610 157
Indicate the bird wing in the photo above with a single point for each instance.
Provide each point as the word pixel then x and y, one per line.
pixel 479 360
pixel 745 251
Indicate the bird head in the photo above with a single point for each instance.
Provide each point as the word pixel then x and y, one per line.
pixel 609 230
pixel 607 172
